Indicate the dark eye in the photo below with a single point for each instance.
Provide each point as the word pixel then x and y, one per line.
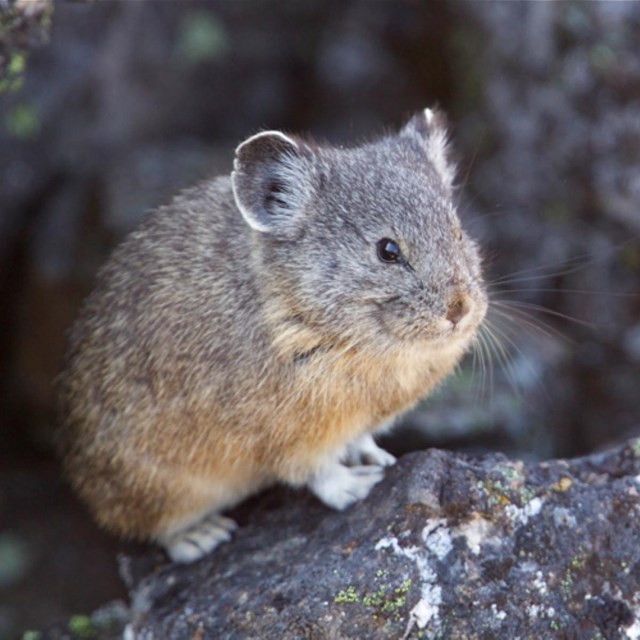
pixel 388 250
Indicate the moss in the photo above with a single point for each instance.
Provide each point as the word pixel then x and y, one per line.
pixel 31 635
pixel 558 213
pixel 202 38
pixel 81 626
pixel 602 57
pixel 22 121
pixel 15 559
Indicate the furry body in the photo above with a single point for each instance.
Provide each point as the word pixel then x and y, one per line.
pixel 249 334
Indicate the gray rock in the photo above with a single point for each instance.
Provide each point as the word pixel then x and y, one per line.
pixel 448 546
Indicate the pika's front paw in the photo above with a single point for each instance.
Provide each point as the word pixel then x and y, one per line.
pixel 339 486
pixel 364 450
pixel 199 539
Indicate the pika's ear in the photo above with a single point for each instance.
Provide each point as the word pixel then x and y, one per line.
pixel 271 182
pixel 429 128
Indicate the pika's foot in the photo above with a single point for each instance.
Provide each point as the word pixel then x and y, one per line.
pixel 196 541
pixel 339 486
pixel 364 450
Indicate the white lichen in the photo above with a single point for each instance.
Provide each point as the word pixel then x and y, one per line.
pixel 427 610
pixel 498 613
pixel 437 538
pixel 540 583
pixel 521 515
pixel 476 532
pixel 633 632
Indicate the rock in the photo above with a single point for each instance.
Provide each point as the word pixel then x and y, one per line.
pixel 447 546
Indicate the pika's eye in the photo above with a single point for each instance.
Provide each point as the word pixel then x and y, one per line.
pixel 388 250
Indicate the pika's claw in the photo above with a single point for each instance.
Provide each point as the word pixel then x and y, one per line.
pixel 196 541
pixel 339 486
pixel 364 450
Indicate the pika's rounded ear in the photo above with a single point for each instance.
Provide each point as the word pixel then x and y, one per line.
pixel 429 128
pixel 271 182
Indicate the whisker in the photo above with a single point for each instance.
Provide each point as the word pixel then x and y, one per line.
pixel 545 275
pixel 487 363
pixel 519 319
pixel 477 368
pixel 614 294
pixel 573 264
pixel 519 306
pixel 513 378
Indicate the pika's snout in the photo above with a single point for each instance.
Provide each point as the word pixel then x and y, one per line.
pixel 458 307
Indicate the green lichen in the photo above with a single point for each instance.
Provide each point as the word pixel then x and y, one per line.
pixel 31 635
pixel 509 472
pixel 349 596
pixel 498 493
pixel 385 601
pixel 396 601
pixel 566 587
pixel 376 598
pixel 526 495
pixel 635 447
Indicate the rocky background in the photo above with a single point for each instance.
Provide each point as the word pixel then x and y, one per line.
pixel 108 108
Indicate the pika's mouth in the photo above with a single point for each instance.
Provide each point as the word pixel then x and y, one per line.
pixel 404 322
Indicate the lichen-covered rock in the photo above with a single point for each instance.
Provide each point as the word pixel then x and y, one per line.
pixel 448 546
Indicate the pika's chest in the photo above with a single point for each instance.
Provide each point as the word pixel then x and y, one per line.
pixel 361 387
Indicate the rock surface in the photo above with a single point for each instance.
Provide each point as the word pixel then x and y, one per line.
pixel 448 546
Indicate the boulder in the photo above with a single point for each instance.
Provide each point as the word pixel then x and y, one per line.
pixel 447 546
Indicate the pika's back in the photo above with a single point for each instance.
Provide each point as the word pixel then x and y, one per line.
pixel 177 295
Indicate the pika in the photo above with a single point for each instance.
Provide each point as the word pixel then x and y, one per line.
pixel 262 328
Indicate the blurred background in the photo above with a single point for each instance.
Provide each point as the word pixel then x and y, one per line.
pixel 108 108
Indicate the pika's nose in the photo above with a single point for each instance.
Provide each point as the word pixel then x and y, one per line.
pixel 459 306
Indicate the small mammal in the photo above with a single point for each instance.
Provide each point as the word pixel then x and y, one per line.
pixel 262 327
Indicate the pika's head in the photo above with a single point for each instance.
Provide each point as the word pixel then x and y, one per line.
pixel 363 244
